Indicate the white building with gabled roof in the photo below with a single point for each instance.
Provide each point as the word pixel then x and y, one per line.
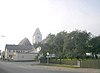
pixel 24 51
pixel 19 53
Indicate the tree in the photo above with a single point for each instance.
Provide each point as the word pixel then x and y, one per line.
pixel 95 45
pixel 76 43
pixel 59 42
pixel 67 45
pixel 48 44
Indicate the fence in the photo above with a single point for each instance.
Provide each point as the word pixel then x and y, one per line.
pixel 90 64
pixel 64 61
pixel 83 63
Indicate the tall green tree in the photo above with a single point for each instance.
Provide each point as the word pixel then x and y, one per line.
pixel 76 43
pixel 95 45
pixel 48 44
pixel 59 44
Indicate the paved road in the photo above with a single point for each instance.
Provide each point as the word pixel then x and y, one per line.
pixel 25 67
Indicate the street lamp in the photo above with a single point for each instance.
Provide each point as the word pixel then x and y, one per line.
pixel 47 57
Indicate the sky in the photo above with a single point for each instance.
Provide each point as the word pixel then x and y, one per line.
pixel 20 18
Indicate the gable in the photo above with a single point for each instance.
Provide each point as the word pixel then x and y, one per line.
pixel 25 42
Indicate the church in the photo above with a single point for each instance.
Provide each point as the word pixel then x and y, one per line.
pixel 24 51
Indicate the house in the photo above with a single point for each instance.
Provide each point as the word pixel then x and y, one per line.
pixel 19 52
pixel 24 50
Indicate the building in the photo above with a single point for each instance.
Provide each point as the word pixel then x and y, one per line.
pixel 19 52
pixel 37 37
pixel 24 50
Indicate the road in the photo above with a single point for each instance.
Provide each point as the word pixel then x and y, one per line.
pixel 26 67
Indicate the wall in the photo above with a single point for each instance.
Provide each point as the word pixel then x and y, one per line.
pixel 64 61
pixel 6 53
pixel 90 63
pixel 22 56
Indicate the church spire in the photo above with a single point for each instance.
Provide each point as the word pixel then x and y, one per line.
pixel 37 37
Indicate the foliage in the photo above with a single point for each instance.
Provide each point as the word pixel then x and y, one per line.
pixel 76 43
pixel 70 45
pixel 48 45
pixel 59 43
pixel 95 45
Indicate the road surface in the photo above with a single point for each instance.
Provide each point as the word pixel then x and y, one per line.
pixel 26 67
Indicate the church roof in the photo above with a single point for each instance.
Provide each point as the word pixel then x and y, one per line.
pixel 37 31
pixel 25 42
pixel 18 47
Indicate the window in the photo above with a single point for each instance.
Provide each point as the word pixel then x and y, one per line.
pixel 17 51
pixel 10 56
pixel 22 51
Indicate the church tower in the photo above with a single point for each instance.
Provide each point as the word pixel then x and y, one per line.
pixel 37 37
